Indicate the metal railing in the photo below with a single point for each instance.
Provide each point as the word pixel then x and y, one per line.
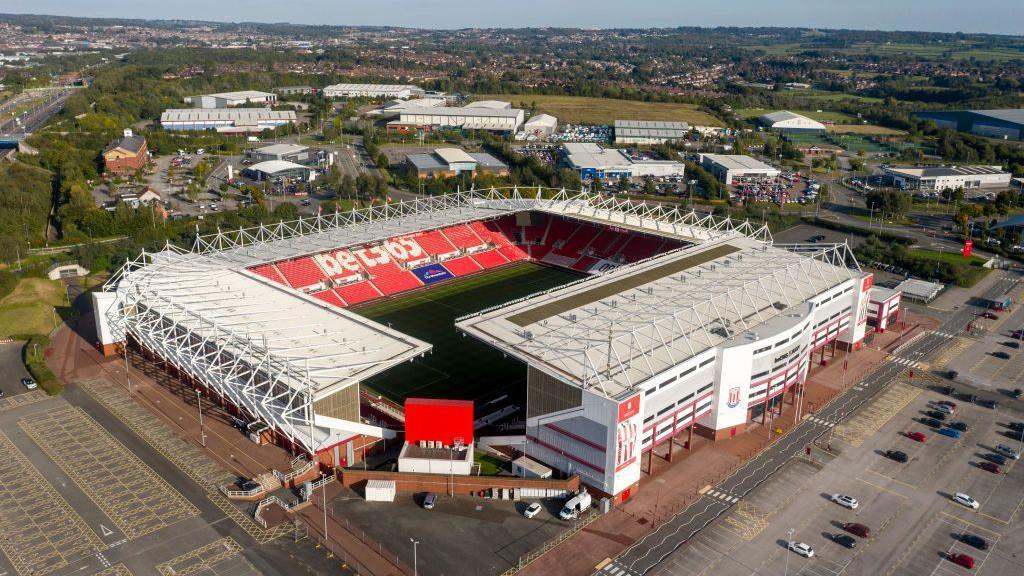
pixel 528 559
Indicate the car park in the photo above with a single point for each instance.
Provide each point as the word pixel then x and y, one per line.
pixel 950 432
pixel 931 422
pixel 845 501
pixel 974 540
pixel 844 540
pixel 917 436
pixel 966 500
pixel 990 467
pixel 532 510
pixel 800 548
pixel 896 455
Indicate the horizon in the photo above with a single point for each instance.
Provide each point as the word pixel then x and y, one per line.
pixel 999 17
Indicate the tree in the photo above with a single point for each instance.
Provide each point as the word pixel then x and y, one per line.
pixel 286 211
pixel 348 186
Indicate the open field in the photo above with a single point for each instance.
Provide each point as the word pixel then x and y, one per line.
pixel 869 129
pixel 956 52
pixel 583 110
pixel 29 308
pixel 459 367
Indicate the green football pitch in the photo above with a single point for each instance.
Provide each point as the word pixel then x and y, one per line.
pixel 459 367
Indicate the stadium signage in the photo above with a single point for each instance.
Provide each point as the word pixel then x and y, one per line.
pixel 432 273
pixel 344 262
pixel 734 397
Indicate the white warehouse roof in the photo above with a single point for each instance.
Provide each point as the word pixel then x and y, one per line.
pixel 545 120
pixel 739 162
pixel 275 166
pixel 237 115
pixel 281 149
pixel 492 104
pixel 787 119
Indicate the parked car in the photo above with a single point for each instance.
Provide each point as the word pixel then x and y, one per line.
pixel 936 414
pixel 29 383
pixel 990 315
pixel 974 540
pixel 1001 355
pixel 1007 451
pixel 945 408
pixel 917 436
pixel 995 458
pixel 845 501
pixel 800 548
pixel 1016 426
pixel 858 529
pixel 961 426
pixel 962 560
pixel 844 540
pixel 949 390
pixel 961 498
pixel 949 403
pixel 1016 393
pixel 429 500
pixel 896 455
pixel 950 432
pixel 990 467
pixel 990 404
pixel 532 510
pixel 931 422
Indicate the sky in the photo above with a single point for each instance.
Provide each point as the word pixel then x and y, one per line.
pixel 989 16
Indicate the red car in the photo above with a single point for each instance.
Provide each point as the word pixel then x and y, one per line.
pixel 858 529
pixel 990 315
pixel 990 467
pixel 917 436
pixel 962 560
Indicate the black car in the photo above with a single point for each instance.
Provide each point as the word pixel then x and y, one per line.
pixel 961 426
pixel 896 455
pixel 936 415
pixel 973 540
pixel 992 404
pixel 1016 393
pixel 1018 426
pixel 845 540
pixel 995 458
pixel 931 422
pixel 1001 355
pixel 948 390
pixel 1016 435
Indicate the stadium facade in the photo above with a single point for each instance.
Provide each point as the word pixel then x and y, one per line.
pixel 685 322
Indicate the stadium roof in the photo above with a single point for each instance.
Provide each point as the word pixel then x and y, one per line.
pixel 650 129
pixel 738 162
pixel 614 331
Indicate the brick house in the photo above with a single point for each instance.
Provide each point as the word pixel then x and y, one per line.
pixel 125 155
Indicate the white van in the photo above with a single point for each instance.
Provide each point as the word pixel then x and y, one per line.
pixel 575 506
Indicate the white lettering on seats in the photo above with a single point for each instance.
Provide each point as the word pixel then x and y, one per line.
pixel 329 264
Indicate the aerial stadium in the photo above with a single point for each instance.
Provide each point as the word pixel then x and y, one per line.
pixel 611 326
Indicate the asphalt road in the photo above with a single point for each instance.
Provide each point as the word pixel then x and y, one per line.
pixel 658 545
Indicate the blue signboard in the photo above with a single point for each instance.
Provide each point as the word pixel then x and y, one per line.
pixel 432 273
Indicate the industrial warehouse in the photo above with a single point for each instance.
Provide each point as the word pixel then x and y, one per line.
pixel 225 119
pixel 699 324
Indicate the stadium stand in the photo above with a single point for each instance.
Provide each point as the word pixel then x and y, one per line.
pixel 574 246
pixel 330 297
pixel 358 292
pixel 584 263
pixel 608 243
pixel 492 232
pixel 640 247
pixel 269 271
pixel 495 258
pixel 434 243
pixel 462 265
pixel 390 279
pixel 301 272
pixel 462 237
pixel 535 234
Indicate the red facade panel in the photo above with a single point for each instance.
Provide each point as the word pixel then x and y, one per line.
pixel 442 421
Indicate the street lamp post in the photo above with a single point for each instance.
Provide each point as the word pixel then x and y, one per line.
pixel 415 567
pixel 324 488
pixel 202 429
pixel 788 552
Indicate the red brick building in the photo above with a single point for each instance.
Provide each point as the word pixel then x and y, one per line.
pixel 125 155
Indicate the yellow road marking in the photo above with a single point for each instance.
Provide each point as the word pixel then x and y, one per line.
pixel 969 523
pixel 872 484
pixel 891 479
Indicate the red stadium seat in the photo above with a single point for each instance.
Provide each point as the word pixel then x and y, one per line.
pixel 495 258
pixel 584 264
pixel 269 271
pixel 513 253
pixel 490 232
pixel 434 243
pixel 640 247
pixel 301 272
pixel 608 243
pixel 575 244
pixel 462 236
pixel 330 297
pixel 358 292
pixel 390 283
pixel 462 265
pixel 559 230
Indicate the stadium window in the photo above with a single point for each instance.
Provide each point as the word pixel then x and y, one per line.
pixel 710 360
pixel 648 419
pixel 667 382
pixel 685 399
pixel 705 388
pixel 756 394
pixel 646 439
pixel 666 409
pixel 650 391
pixel 848 289
pixel 759 374
pixel 834 316
pixel 687 372
pixel 847 309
